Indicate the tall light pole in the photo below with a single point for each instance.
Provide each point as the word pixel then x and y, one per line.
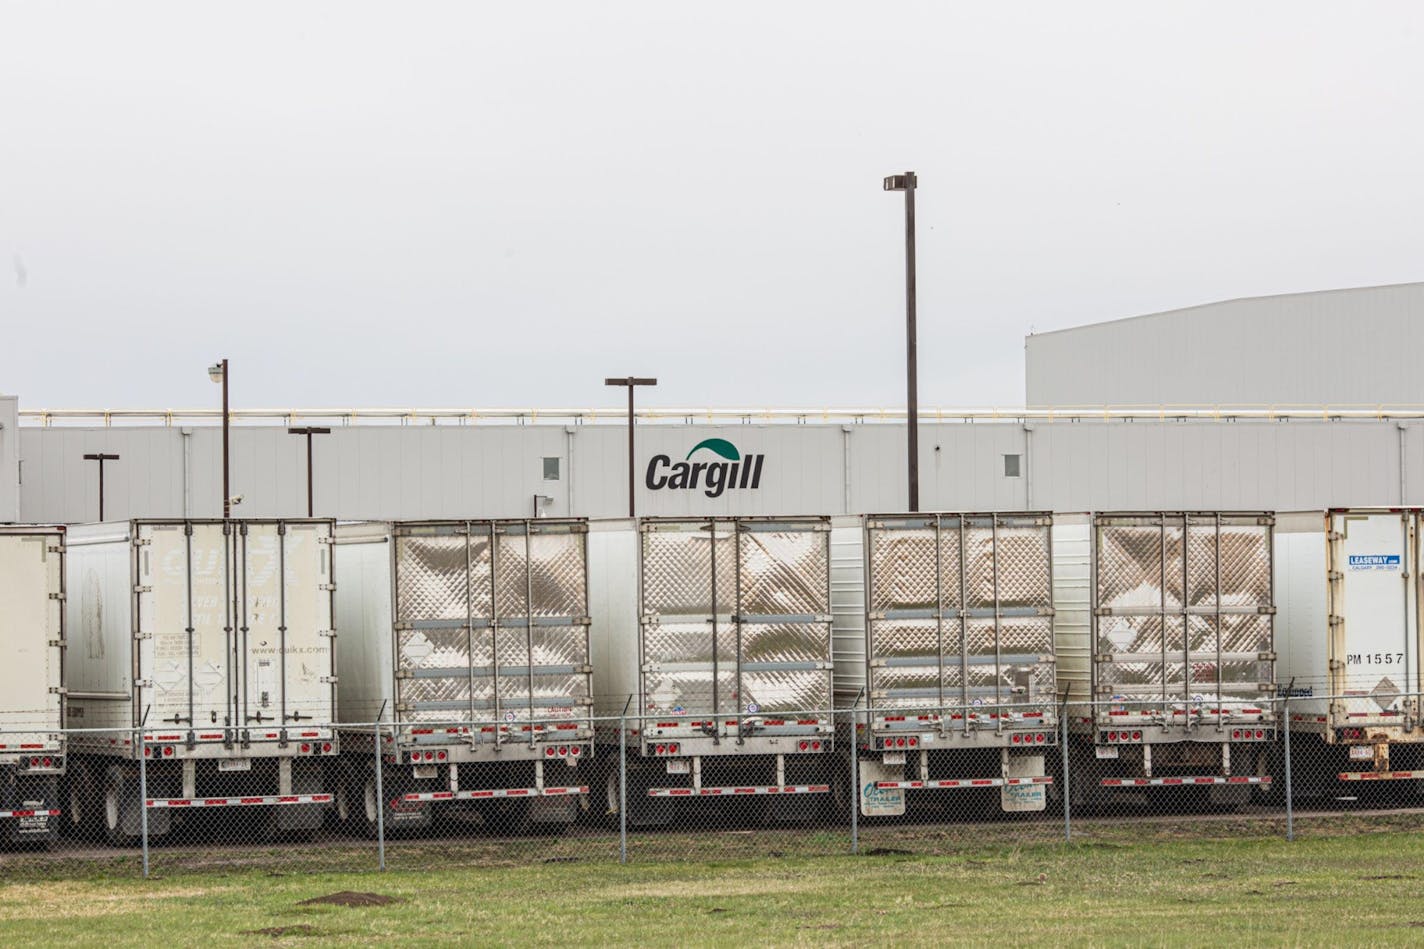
pixel 309 431
pixel 907 183
pixel 218 373
pixel 632 382
pixel 101 457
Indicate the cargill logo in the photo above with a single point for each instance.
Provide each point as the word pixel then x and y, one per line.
pixel 734 471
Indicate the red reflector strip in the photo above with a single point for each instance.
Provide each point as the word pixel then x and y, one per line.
pixel 4 814
pixel 1381 775
pixel 729 792
pixel 1178 782
pixel 488 793
pixel 240 801
pixel 949 783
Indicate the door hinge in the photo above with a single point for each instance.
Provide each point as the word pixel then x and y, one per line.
pixel 58 644
pixel 58 690
pixel 326 633
pixel 144 541
pixel 329 680
pixel 56 596
pixel 1266 657
pixel 326 587
pixel 143 683
pixel 142 589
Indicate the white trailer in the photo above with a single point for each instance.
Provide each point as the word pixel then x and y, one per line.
pixel 32 746
pixel 951 617
pixel 1177 657
pixel 214 639
pixel 713 637
pixel 467 641
pixel 1348 582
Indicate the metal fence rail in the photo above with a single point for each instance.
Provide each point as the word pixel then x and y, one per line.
pixel 943 779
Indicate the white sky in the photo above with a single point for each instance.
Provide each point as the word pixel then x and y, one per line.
pixel 499 204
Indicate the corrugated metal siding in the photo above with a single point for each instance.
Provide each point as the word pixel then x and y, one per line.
pixel 1336 347
pixel 408 472
pixel 9 458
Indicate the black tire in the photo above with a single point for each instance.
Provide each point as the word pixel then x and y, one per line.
pixel 120 801
pixel 83 803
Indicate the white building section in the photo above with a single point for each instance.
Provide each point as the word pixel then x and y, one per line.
pixel 1058 462
pixel 1353 347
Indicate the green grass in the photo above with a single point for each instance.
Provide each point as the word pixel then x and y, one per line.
pixel 1320 891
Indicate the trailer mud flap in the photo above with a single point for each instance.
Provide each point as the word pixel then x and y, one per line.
pixel 876 801
pixel 1024 797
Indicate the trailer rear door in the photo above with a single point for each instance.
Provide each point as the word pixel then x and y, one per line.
pixel 283 584
pixel 735 619
pixel 491 623
pixel 31 614
pixel 1373 586
pixel 1183 615
pixel 960 611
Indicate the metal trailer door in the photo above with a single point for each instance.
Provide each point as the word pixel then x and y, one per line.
pixel 961 612
pixel 185 626
pixel 1372 569
pixel 284 624
pixel 1183 614
pixel 735 618
pixel 31 617
pixel 450 625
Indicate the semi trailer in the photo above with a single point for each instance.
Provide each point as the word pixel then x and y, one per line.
pixel 713 663
pixel 951 620
pixel 201 666
pixel 465 654
pixel 1171 675
pixel 32 740
pixel 1348 583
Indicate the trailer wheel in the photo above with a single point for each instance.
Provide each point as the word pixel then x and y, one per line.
pixel 121 804
pixel 81 809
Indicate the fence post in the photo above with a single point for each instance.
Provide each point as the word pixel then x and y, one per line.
pixel 854 777
pixel 1067 789
pixel 380 794
pixel 142 747
pixel 623 783
pixel 1290 809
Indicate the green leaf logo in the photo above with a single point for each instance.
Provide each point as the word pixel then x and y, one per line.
pixel 719 445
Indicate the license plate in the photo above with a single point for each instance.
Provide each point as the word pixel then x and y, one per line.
pixel 679 766
pixel 1105 752
pixel 426 771
pixel 893 758
pixel 234 764
pixel 1361 753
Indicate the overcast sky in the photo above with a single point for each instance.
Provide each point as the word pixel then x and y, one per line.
pixel 498 204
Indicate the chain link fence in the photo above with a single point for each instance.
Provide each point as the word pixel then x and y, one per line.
pixel 819 782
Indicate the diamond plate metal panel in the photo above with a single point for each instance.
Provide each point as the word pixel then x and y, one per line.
pixel 921 682
pixel 904 569
pixel 769 692
pixel 891 639
pixel 785 642
pixel 687 642
pixel 677 571
pixel 1025 574
pixel 1139 564
pixel 431 578
pixel 432 648
pixel 540 574
pixel 784 572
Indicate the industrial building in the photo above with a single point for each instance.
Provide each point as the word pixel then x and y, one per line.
pixel 1248 404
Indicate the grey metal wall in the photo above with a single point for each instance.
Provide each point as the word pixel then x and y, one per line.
pixel 9 458
pixel 472 471
pixel 1334 347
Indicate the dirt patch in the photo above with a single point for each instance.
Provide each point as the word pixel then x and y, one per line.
pixel 350 898
pixel 887 852
pixel 1389 876
pixel 278 931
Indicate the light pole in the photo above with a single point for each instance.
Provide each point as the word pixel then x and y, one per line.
pixel 218 373
pixel 632 382
pixel 309 431
pixel 101 457
pixel 907 183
